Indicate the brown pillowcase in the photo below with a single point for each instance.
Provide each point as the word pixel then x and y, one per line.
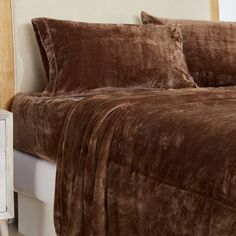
pixel 82 56
pixel 209 47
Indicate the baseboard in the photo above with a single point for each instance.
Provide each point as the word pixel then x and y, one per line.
pixel 35 218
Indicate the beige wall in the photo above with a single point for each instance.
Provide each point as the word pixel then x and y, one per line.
pixel 29 72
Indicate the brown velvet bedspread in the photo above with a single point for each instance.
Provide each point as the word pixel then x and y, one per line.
pixel 142 162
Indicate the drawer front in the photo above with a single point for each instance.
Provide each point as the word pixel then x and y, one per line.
pixel 3 193
pixel 2 135
pixel 3 166
pixel 6 165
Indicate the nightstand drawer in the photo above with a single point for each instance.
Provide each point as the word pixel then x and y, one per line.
pixel 2 135
pixel 3 166
pixel 3 194
pixel 6 166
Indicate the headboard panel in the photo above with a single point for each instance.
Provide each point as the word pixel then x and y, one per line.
pixel 29 72
pixel 6 54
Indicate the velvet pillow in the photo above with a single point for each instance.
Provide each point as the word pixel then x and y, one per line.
pixel 209 47
pixel 82 56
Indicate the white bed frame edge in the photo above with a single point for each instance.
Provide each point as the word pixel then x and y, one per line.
pixel 35 218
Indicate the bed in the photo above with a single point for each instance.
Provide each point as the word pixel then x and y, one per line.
pixel 186 188
pixel 131 159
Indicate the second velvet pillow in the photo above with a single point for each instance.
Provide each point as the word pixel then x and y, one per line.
pixel 82 56
pixel 209 47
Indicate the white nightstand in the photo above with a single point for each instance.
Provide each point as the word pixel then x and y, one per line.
pixel 6 170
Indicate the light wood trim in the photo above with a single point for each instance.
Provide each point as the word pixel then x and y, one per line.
pixel 6 54
pixel 215 10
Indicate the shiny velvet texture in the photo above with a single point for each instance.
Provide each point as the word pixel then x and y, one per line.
pixel 139 161
pixel 38 121
pixel 82 56
pixel 209 47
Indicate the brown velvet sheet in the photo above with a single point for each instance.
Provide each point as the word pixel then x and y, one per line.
pixel 139 162
pixel 38 122
pixel 209 48
pixel 82 56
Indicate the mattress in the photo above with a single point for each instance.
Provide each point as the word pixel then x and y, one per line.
pixel 34 176
pixel 35 129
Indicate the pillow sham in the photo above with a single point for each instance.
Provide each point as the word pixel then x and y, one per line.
pixel 209 47
pixel 83 56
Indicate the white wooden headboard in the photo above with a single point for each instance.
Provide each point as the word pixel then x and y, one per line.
pixel 29 74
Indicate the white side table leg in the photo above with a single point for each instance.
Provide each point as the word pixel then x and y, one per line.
pixel 4 228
